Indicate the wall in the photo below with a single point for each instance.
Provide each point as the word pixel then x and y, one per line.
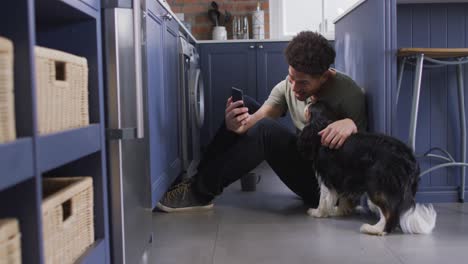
pixel 196 13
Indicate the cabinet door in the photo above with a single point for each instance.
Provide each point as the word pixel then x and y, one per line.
pixel 224 66
pixel 171 87
pixel 157 118
pixel 272 68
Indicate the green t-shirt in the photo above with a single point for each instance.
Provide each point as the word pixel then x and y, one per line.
pixel 340 92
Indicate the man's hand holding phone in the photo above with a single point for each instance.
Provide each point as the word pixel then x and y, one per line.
pixel 236 114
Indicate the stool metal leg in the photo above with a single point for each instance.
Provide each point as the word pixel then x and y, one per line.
pixel 400 78
pixel 461 106
pixel 415 104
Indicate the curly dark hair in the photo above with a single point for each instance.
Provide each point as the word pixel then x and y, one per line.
pixel 309 52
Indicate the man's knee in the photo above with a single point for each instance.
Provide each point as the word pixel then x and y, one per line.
pixel 266 128
pixel 265 124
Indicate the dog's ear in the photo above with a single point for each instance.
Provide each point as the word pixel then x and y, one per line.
pixel 309 142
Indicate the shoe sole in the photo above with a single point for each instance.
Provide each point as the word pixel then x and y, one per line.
pixel 184 209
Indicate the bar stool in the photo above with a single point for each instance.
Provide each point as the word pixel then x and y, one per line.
pixel 436 58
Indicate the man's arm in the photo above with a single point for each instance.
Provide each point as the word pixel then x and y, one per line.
pixel 335 134
pixel 239 120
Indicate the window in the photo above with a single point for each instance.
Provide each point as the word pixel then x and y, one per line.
pixel 288 17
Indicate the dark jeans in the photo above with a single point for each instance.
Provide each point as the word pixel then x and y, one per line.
pixel 229 156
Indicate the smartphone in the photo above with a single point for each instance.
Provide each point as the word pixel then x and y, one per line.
pixel 237 94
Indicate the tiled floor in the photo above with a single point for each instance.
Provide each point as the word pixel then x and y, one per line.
pixel 270 226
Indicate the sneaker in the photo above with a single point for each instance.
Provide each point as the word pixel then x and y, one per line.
pixel 184 181
pixel 182 198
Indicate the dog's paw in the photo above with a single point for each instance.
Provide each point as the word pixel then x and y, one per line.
pixel 372 230
pixel 315 212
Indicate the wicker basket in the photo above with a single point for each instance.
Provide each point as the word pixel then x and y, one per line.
pixel 10 242
pixel 67 214
pixel 7 102
pixel 62 90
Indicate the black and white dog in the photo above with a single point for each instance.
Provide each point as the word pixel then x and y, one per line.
pixel 379 165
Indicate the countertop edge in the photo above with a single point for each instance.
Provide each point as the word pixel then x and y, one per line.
pixel 243 41
pixel 349 10
pixel 194 40
pixel 430 1
pixel 182 26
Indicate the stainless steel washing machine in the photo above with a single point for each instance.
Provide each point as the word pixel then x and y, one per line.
pixel 192 105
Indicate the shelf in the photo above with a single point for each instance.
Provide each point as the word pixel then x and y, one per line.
pixel 16 161
pixel 92 3
pixel 58 13
pixel 94 254
pixel 61 148
pixel 72 26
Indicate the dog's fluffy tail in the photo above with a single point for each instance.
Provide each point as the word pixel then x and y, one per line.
pixel 419 219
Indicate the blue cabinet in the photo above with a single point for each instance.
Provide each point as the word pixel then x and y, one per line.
pixel 224 66
pixel 155 100
pixel 162 81
pixel 171 69
pixel 272 67
pixel 253 67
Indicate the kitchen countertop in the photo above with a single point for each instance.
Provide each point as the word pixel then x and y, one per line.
pixel 182 26
pixel 349 10
pixel 194 40
pixel 244 40
pixel 430 1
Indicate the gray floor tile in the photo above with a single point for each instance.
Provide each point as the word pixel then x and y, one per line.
pixel 184 238
pixel 317 242
pixel 271 202
pixel 271 226
pixel 437 255
pixel 459 207
pixel 261 207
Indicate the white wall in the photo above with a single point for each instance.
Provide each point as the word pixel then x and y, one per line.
pixel 288 17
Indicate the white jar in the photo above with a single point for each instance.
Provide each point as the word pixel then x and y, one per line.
pixel 258 23
pixel 219 33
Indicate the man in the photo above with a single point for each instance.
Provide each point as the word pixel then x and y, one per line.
pixel 251 134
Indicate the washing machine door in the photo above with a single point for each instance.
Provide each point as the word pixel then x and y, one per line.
pixel 199 99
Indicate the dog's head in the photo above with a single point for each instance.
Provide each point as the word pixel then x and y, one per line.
pixel 318 115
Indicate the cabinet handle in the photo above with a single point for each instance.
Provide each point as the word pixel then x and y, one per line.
pixel 260 46
pixel 167 17
pixel 138 68
pixel 199 93
pixel 252 46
